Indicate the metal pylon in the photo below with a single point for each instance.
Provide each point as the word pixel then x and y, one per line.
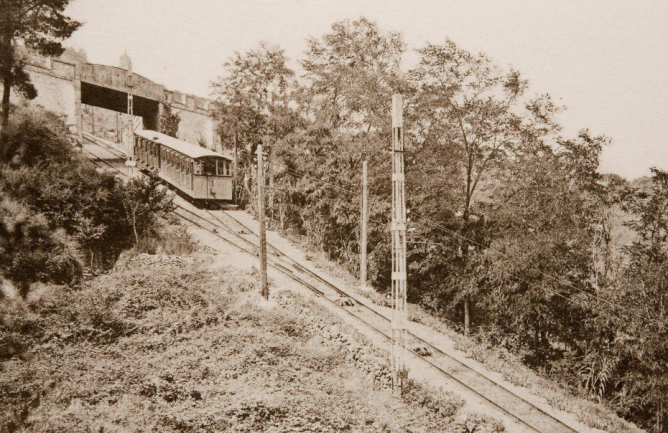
pixel 399 314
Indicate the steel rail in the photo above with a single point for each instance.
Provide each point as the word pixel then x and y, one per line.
pixel 320 293
pixel 364 322
pixel 426 343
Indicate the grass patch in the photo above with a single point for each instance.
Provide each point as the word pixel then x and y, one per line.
pixel 186 350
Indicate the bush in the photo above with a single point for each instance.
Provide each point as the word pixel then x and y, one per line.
pixel 144 200
pixel 185 350
pixel 172 239
pixel 36 137
pixel 61 211
pixel 30 251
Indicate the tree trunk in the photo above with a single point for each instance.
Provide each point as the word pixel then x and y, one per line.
pixel 134 226
pixel 249 193
pixel 6 92
pixel 467 316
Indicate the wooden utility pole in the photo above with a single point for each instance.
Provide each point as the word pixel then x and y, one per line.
pixel 364 223
pixel 399 315
pixel 234 174
pixel 467 316
pixel 263 235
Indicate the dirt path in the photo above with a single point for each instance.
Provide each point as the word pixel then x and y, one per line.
pixel 227 255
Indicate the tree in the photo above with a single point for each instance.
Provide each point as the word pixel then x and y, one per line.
pixel 144 201
pixel 36 25
pixel 343 102
pixel 169 121
pixel 631 328
pixel 351 74
pixel 73 55
pixel 89 234
pixel 47 175
pixel 539 266
pixel 470 120
pixel 254 89
pixel 253 102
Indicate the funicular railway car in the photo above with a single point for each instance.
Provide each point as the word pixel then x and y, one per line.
pixel 199 173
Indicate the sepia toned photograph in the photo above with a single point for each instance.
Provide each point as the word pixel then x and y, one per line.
pixel 330 216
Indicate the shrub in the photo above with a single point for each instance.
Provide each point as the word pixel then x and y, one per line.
pixel 30 251
pixel 60 211
pixel 144 201
pixel 171 239
pixel 36 137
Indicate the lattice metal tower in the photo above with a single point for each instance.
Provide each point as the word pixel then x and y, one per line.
pixel 399 315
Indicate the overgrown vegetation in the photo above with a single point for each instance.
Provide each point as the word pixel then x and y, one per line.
pixel 58 213
pixel 510 220
pixel 184 349
pixel 169 121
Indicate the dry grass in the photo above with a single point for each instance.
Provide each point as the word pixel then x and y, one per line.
pixel 184 350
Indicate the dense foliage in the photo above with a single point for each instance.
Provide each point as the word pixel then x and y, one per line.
pixel 513 229
pixel 37 25
pixel 169 121
pixel 58 213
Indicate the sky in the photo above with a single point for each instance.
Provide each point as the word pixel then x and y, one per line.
pixel 605 60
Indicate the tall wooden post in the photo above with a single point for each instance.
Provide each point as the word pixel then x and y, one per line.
pixel 93 123
pixel 130 161
pixel 234 175
pixel 270 170
pixel 364 223
pixel 263 235
pixel 399 314
pixel 81 124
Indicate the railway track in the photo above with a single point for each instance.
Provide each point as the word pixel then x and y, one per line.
pixel 237 234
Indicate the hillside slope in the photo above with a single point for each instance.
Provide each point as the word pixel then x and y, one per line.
pixel 164 344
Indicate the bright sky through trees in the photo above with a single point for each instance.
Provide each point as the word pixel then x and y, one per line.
pixel 607 61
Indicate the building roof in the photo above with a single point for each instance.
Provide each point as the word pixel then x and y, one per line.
pixel 188 149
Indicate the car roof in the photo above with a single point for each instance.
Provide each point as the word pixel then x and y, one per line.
pixel 188 149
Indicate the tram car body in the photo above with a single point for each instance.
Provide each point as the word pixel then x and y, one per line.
pixel 199 173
